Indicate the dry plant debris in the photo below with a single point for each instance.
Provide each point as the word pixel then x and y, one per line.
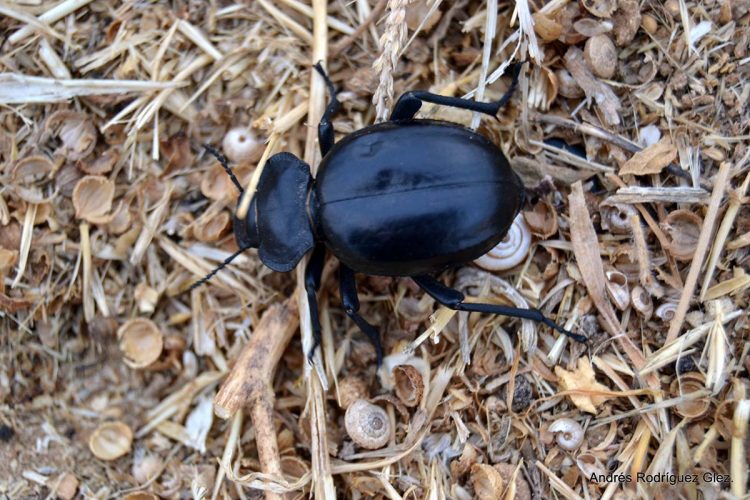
pixel 630 129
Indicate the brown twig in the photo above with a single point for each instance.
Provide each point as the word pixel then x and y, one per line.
pixel 345 42
pixel 249 382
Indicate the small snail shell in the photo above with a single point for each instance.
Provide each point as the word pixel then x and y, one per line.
pixel 242 146
pixel 568 433
pixel 367 424
pixel 616 218
pixel 666 311
pixel 567 86
pixel 511 251
pixel 642 302
pixel 601 56
pixel 618 290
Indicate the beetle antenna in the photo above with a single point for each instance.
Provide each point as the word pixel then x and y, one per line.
pixel 225 164
pixel 218 268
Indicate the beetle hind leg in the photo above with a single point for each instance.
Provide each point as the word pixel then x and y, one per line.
pixel 325 127
pixel 351 306
pixel 455 300
pixel 410 102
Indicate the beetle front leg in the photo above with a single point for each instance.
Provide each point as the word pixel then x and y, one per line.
pixel 313 273
pixel 351 306
pixel 410 102
pixel 455 300
pixel 325 127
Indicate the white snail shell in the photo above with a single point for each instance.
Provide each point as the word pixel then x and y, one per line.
pixel 568 433
pixel 511 251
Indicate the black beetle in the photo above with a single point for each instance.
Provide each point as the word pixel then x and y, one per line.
pixel 408 197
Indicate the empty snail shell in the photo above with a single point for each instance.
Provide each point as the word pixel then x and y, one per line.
pixel 568 433
pixel 141 342
pixel 367 424
pixel 409 384
pixel 685 385
pixel 511 251
pixel 618 290
pixel 241 145
pixel 642 302
pixel 666 311
pixel 616 218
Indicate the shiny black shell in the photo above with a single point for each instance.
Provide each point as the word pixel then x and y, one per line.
pixel 413 197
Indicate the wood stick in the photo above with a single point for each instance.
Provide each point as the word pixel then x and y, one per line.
pixel 720 185
pixel 249 382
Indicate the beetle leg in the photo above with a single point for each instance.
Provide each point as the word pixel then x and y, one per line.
pixel 313 272
pixel 455 300
pixel 351 306
pixel 410 102
pixel 325 127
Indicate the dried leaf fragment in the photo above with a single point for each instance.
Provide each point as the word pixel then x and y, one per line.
pixel 582 379
pixel 651 160
pixel 92 198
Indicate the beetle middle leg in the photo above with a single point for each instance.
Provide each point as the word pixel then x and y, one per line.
pixel 313 273
pixel 410 102
pixel 325 127
pixel 454 299
pixel 351 306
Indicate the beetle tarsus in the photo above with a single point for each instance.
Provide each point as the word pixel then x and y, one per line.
pixel 454 299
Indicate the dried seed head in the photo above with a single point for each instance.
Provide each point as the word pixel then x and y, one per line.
pixel 642 302
pixel 241 145
pixel 102 163
pixel 618 290
pixel 409 384
pixel 541 219
pixel 111 440
pixel 601 56
pixel 685 385
pixel 487 481
pixel 31 169
pixel 548 29
pixel 367 424
pixel 76 132
pixel 649 24
pixel 141 342
pixel 209 230
pixel 92 198
pixel 511 251
pixel 684 228
pixel 568 433
pixel 63 486
pixel 351 388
